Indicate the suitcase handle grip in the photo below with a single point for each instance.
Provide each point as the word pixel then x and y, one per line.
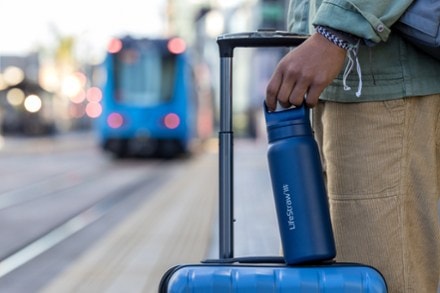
pixel 261 38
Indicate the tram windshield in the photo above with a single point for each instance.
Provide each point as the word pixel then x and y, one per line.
pixel 144 77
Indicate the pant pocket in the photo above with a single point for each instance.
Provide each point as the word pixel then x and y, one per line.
pixel 363 148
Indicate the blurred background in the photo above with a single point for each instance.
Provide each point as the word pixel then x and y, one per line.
pixel 108 127
pixel 52 53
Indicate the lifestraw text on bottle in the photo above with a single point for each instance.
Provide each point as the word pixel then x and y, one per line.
pixel 289 207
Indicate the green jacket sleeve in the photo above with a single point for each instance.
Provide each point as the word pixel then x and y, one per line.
pixel 367 19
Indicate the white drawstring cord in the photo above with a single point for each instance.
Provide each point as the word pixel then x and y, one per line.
pixel 352 54
pixel 352 60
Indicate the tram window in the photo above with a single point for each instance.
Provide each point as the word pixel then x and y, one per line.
pixel 144 78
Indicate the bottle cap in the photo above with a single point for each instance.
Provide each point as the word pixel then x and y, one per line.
pixel 287 123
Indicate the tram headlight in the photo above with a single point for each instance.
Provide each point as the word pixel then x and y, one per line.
pixel 171 121
pixel 115 120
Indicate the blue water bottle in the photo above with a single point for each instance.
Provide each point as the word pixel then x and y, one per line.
pixel 298 187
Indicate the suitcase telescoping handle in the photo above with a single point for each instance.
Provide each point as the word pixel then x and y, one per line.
pixel 227 43
pixel 261 38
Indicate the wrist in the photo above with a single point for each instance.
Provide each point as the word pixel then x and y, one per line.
pixel 341 39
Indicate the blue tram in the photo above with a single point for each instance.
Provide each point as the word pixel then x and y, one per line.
pixel 149 100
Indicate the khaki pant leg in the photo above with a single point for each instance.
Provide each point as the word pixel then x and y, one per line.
pixel 382 164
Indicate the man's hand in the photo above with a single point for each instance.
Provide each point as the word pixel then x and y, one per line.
pixel 304 73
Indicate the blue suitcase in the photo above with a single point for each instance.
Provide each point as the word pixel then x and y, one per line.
pixel 329 278
pixel 258 274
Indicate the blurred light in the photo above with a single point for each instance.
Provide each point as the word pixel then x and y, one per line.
pixel 49 79
pixel 79 98
pixel 115 120
pixel 93 109
pixel 114 46
pixel 176 46
pixel 214 23
pixel 94 94
pixel 15 96
pixel 32 103
pixel 13 75
pixel 171 121
pixel 71 86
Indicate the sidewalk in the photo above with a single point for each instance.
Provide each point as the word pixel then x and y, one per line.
pixel 255 229
pixel 162 233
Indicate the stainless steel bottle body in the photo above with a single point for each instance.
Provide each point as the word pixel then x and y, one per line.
pixel 298 187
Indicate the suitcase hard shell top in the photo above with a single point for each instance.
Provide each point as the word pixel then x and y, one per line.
pixel 333 278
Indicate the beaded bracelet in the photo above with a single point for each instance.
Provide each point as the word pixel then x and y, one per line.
pixel 341 43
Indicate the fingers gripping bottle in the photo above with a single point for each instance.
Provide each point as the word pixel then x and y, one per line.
pixel 298 187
